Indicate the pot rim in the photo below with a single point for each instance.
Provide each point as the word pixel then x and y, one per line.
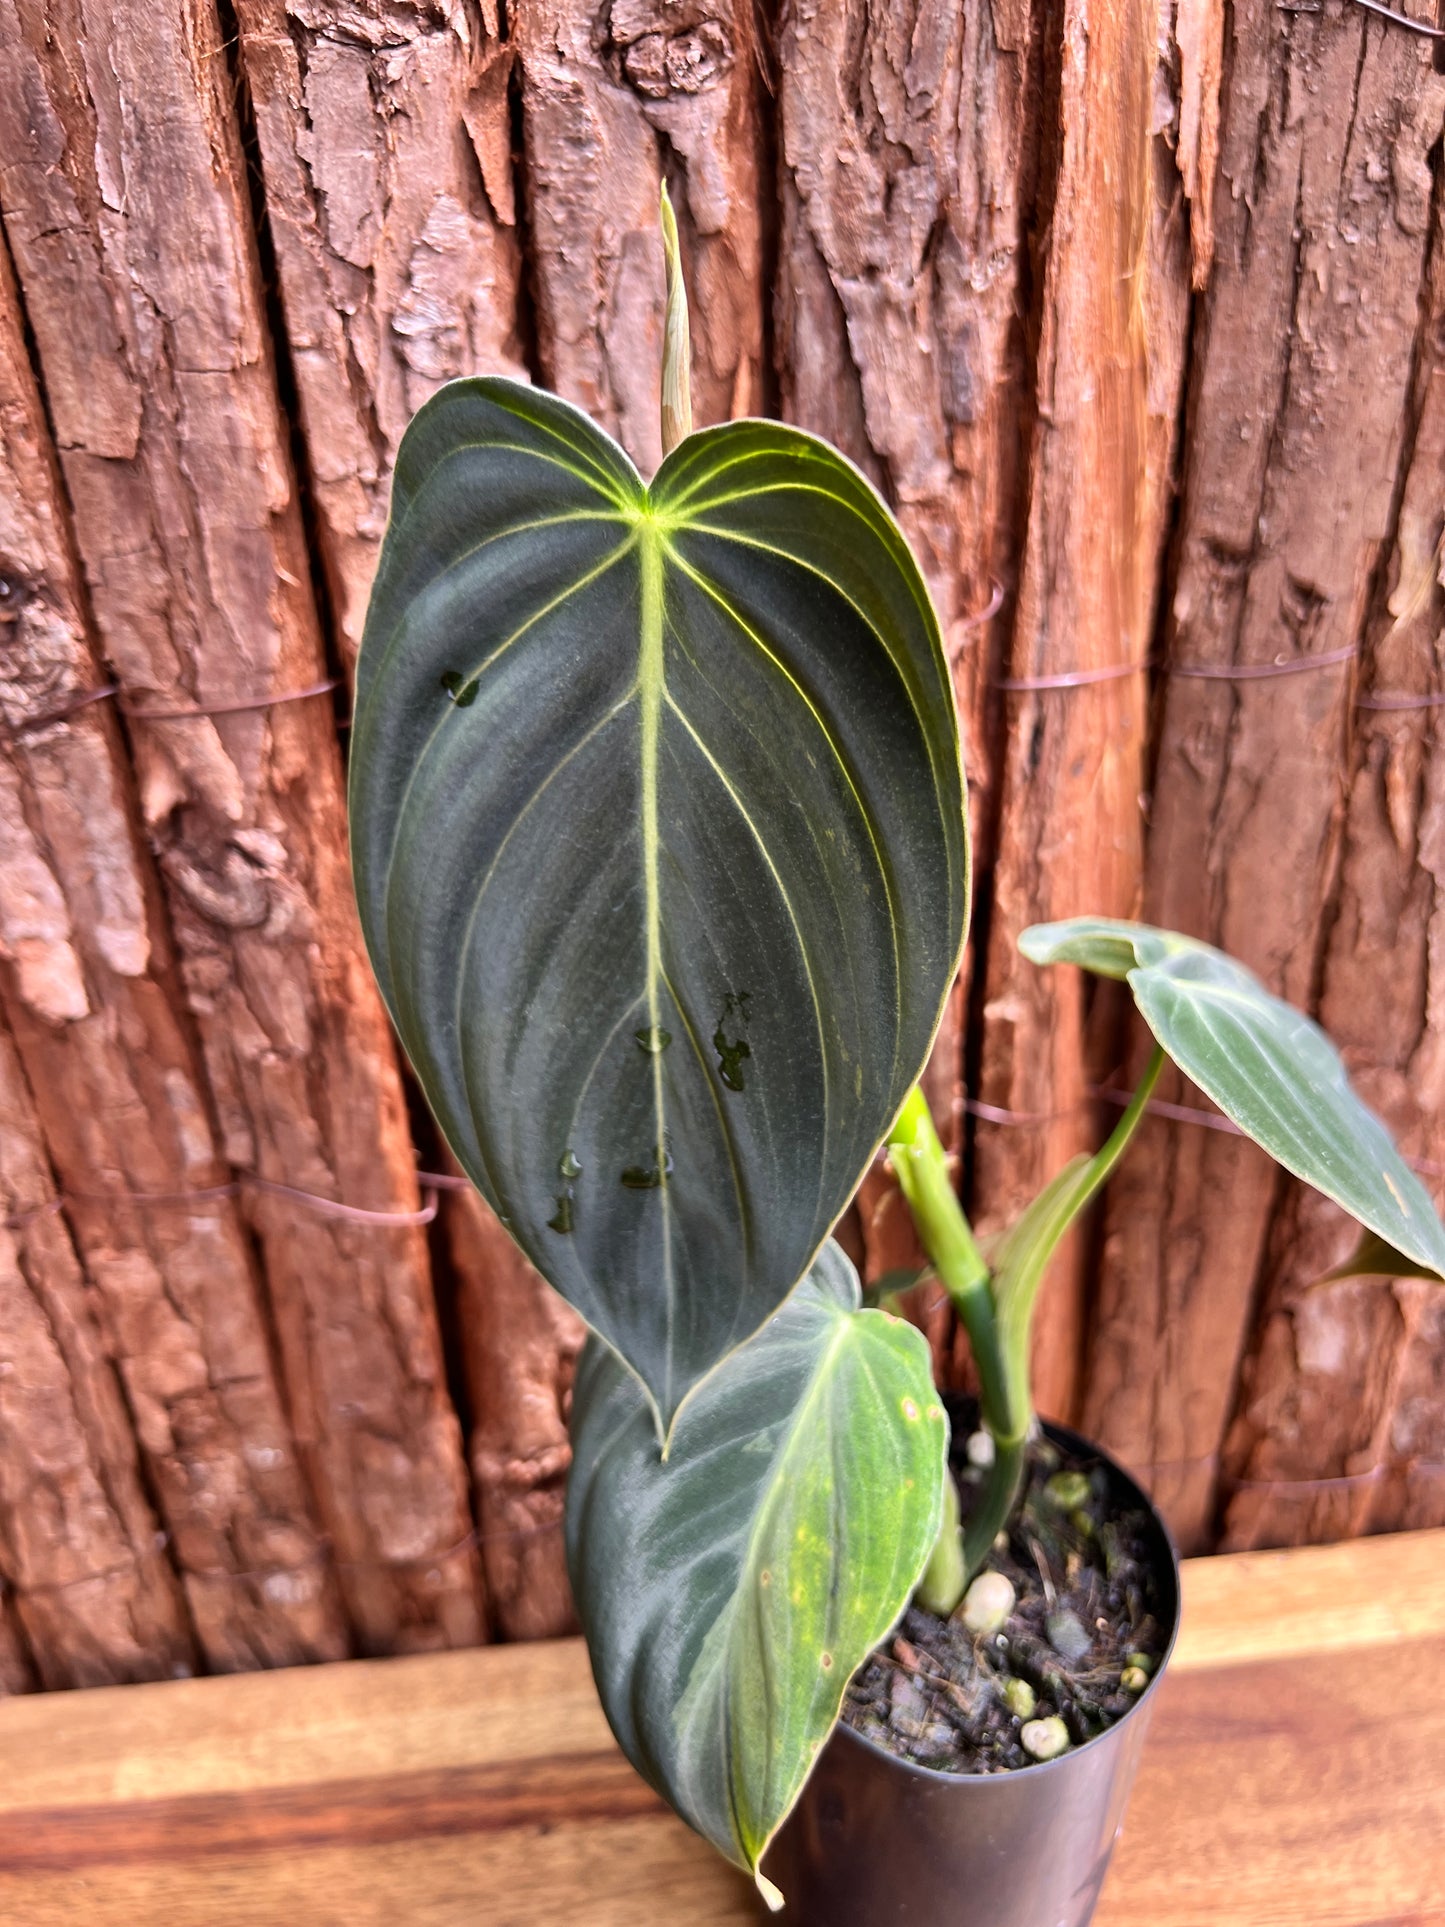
pixel 1074 1440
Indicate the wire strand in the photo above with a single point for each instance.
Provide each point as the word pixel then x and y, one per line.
pixel 11 732
pixel 431 1182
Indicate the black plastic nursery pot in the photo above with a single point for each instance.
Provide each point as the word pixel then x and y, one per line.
pixel 876 1840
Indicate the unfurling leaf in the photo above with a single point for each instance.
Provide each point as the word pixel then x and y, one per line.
pixel 1266 1066
pixel 658 835
pixel 676 339
pixel 729 1593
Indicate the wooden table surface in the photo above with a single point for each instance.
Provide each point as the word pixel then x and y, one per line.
pixel 1295 1773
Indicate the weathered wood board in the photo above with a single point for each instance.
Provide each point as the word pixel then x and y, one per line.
pixel 483 1789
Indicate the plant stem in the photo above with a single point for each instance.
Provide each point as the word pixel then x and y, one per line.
pixel 1005 1401
pixel 1117 1142
pixel 947 1237
pixel 993 1508
pixel 944 1577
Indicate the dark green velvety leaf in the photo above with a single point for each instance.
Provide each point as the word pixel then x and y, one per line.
pixel 658 836
pixel 1265 1065
pixel 729 1593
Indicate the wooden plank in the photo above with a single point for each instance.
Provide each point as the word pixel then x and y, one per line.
pixel 1109 375
pixel 1341 1382
pixel 479 1709
pixel 1289 1792
pixel 910 164
pixel 615 1873
pixel 609 105
pixel 87 1585
pixel 1312 1601
pixel 90 990
pixel 386 153
pixel 520 1346
pixel 454 1788
pixel 1303 351
pixel 125 198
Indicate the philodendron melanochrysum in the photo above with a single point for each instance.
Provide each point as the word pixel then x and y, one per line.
pixel 658 831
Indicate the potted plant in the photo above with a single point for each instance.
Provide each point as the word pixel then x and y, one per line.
pixel 659 842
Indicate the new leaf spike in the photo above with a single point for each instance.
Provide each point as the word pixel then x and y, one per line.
pixel 676 340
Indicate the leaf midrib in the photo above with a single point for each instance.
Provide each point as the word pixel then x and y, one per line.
pixel 724 1665
pixel 652 690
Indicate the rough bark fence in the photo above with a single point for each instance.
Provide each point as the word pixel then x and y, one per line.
pixel 124 198
pixel 1339 1380
pixel 95 1004
pixel 1305 345
pixel 1109 364
pixel 1134 313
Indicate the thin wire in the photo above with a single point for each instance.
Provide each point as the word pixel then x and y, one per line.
pixel 241 706
pixel 1334 1482
pixel 996 1114
pixel 431 1183
pixel 1177 1113
pixel 23 1219
pixel 1071 678
pixel 1396 700
pixel 988 612
pixel 1259 671
pixel 1216 1121
pixel 1337 1482
pixel 1200 672
pixel 179 713
pixel 13 731
pixel 1401 19
pixel 1154 1107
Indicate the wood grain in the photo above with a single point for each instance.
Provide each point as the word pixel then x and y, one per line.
pixel 89 1590
pixel 385 143
pixel 1337 1383
pixel 519 1343
pixel 1303 351
pixel 125 198
pixel 90 990
pixel 481 1789
pixel 614 99
pixel 1109 375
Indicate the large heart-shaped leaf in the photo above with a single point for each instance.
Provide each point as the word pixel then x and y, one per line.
pixel 1266 1066
pixel 729 1593
pixel 658 835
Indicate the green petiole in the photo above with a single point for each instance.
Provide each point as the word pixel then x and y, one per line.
pixel 995 1308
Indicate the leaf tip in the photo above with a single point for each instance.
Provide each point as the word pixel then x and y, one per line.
pixel 772 1895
